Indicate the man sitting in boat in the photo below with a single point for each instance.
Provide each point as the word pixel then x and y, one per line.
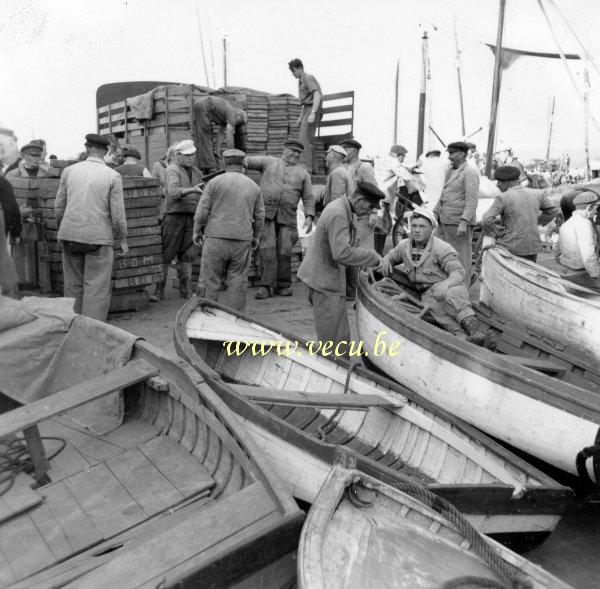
pixel 432 268
pixel 518 209
pixel 577 251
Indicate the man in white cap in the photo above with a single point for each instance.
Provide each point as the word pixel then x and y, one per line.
pixel 431 267
pixel 339 184
pixel 577 250
pixel 183 188
pixel 230 217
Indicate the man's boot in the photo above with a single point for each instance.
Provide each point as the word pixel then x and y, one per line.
pixel 477 332
pixel 159 293
pixel 185 278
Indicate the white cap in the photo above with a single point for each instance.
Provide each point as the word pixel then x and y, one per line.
pixel 185 147
pixel 338 149
pixel 427 213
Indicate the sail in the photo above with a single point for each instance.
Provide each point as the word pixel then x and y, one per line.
pixel 509 56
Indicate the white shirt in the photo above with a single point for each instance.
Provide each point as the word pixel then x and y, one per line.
pixel 434 175
pixel 577 244
pixel 390 174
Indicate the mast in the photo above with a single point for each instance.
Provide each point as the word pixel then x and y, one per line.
pixel 586 126
pixel 550 123
pixel 495 91
pixel 458 74
pixel 396 101
pixel 422 98
pixel 224 61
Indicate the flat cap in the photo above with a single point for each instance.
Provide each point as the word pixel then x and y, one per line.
pixel 352 143
pixel 234 156
pixel 32 148
pixel 507 173
pixel 185 147
pixel 585 198
pixel 294 144
pixel 399 149
pixel 371 193
pixel 95 140
pixel 433 152
pixel 40 142
pixel 458 146
pixel 425 213
pixel 471 145
pixel 130 152
pixel 338 149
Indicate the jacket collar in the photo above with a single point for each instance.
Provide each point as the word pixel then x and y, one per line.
pixel 453 173
pixel 424 255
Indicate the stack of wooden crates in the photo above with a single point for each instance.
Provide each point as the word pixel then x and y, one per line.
pixel 140 268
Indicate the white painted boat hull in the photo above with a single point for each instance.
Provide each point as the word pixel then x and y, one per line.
pixel 518 290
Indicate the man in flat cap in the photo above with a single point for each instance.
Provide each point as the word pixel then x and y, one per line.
pixel 577 250
pixel 395 179
pixel 31 164
pixel 514 216
pixel 183 188
pixel 90 214
pixel 230 217
pixel 457 205
pixel 231 121
pixel 310 97
pixel 132 165
pixel 331 252
pixel 338 184
pixel 284 183
pixel 358 170
pixel 431 267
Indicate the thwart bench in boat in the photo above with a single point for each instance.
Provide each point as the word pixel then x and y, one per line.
pixel 178 494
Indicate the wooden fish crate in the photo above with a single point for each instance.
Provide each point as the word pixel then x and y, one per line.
pixel 140 268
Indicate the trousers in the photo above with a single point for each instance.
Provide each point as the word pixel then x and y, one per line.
pixel 449 312
pixel 87 278
pixel 462 245
pixel 274 257
pixel 177 232
pixel 224 271
pixel 330 316
pixel 307 137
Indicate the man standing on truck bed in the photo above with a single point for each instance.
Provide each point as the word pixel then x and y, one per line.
pixel 311 97
pixel 90 214
pixel 232 125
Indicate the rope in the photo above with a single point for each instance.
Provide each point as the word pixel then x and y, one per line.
pixel 473 582
pixel 502 569
pixel 16 459
pixel 390 288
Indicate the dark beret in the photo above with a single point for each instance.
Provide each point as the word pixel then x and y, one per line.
pixel 370 192
pixel 294 144
pixel 129 152
pixel 352 143
pixel 507 173
pixel 95 140
pixel 32 148
pixel 458 146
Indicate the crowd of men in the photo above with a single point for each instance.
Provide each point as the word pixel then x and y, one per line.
pixel 212 210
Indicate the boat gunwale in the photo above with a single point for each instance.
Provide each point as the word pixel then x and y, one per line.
pixel 187 350
pixel 489 365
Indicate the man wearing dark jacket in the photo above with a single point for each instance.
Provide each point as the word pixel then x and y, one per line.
pixel 10 224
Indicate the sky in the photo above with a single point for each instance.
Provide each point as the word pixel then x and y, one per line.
pixel 55 53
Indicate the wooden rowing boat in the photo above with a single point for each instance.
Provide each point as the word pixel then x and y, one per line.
pixel 178 494
pixel 539 299
pixel 402 436
pixel 363 533
pixel 512 398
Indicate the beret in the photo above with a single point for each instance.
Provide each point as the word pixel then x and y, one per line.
pixel 130 152
pixel 351 143
pixel 585 198
pixel 427 213
pixel 294 144
pixel 97 140
pixel 458 146
pixel 338 149
pixel 471 145
pixel 507 173
pixel 433 152
pixel 32 148
pixel 399 149
pixel 370 192
pixel 234 153
pixel 185 147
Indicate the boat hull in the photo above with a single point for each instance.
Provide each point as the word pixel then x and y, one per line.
pixel 512 288
pixel 517 405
